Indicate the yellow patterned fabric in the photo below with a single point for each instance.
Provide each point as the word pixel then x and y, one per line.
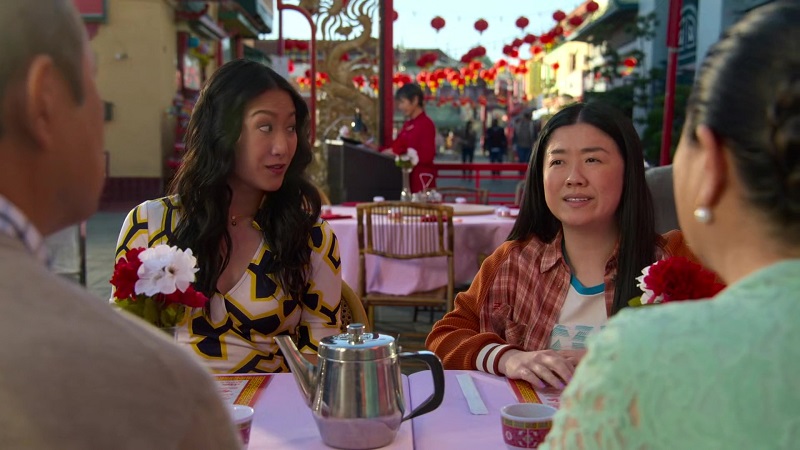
pixel 236 333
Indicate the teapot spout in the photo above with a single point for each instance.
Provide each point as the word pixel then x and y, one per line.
pixel 304 372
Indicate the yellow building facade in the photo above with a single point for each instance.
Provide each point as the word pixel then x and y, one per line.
pixel 152 57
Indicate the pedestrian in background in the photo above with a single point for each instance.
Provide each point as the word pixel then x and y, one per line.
pixel 495 143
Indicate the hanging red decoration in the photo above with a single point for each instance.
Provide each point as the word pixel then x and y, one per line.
pixel 480 50
pixel 529 38
pixel 559 15
pixel 517 43
pixel 536 50
pixel 630 61
pixel 394 15
pixel 522 22
pixel 481 25
pixel 556 66
pixel 592 6
pixel 575 21
pixel 437 23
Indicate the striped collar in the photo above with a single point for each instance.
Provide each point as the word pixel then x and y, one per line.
pixel 14 223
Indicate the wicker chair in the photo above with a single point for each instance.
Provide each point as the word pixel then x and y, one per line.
pixel 473 195
pixel 406 231
pixel 352 309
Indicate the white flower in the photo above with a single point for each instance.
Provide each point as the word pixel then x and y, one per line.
pixel 164 270
pixel 413 156
pixel 409 159
pixel 647 294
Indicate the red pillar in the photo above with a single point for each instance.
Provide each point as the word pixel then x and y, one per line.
pixel 386 94
pixel 673 29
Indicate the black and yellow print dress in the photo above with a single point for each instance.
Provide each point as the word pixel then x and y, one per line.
pixel 236 334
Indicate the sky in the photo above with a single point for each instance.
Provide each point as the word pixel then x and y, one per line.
pixel 413 29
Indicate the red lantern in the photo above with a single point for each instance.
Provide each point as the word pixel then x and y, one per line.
pixel 630 62
pixel 394 15
pixel 437 23
pixel 592 6
pixel 481 25
pixel 480 50
pixel 529 38
pixel 536 49
pixel 517 43
pixel 522 22
pixel 556 66
pixel 559 15
pixel 575 21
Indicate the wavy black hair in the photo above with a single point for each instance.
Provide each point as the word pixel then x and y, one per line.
pixel 286 216
pixel 635 220
pixel 756 112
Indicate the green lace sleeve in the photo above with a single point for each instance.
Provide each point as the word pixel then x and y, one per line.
pixel 719 374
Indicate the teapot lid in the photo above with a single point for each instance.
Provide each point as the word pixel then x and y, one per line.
pixel 356 345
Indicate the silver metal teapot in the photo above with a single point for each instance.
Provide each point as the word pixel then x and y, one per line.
pixel 355 392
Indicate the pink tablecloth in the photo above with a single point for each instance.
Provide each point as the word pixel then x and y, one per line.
pixel 474 235
pixel 451 425
pixel 283 421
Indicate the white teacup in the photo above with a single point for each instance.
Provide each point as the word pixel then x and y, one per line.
pixel 461 200
pixel 525 425
pixel 378 198
pixel 242 417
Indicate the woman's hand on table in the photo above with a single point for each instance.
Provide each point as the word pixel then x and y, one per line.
pixel 541 368
pixel 574 356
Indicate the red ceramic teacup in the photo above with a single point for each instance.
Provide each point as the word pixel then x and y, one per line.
pixel 525 425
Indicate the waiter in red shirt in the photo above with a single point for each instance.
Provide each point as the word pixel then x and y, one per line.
pixel 418 132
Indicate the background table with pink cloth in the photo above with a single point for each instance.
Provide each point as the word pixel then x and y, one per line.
pixel 474 235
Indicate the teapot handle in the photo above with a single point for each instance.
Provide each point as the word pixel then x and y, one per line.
pixel 437 372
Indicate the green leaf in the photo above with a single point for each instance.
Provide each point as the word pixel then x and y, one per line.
pixel 171 315
pixel 150 313
pixel 635 301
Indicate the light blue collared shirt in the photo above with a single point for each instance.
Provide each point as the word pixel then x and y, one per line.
pixel 14 223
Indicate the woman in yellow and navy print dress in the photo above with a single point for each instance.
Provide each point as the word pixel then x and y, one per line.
pixel 241 202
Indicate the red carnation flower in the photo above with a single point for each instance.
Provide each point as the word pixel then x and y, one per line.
pixel 126 274
pixel 678 278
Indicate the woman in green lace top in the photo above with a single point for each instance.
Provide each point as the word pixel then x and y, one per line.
pixel 725 373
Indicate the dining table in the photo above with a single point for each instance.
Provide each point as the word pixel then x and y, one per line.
pixel 283 420
pixel 477 232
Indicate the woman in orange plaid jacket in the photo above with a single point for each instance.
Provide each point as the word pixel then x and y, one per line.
pixel 584 233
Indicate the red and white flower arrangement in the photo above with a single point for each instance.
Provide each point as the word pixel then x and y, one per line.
pixel 675 279
pixel 156 284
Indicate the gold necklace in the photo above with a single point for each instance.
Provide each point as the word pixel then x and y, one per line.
pixel 234 219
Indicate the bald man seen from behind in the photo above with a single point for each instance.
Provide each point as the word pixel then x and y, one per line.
pixel 74 374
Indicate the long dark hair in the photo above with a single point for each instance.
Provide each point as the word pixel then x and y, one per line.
pixel 638 239
pixel 756 112
pixel 286 216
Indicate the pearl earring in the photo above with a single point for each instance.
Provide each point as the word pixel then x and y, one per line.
pixel 703 214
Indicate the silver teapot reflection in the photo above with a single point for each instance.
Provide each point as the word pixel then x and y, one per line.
pixel 356 392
